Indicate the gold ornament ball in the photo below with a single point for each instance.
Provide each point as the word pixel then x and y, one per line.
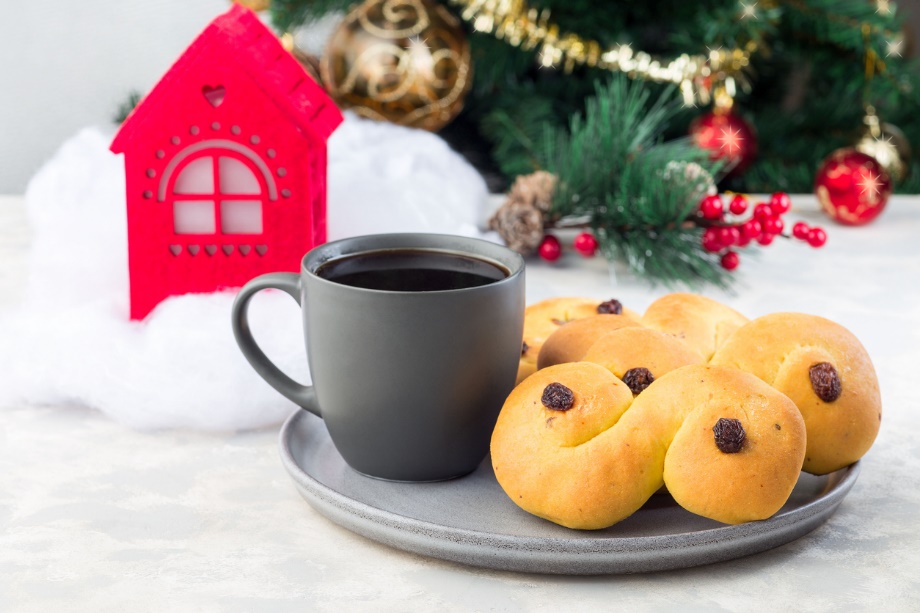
pixel 890 148
pixel 403 61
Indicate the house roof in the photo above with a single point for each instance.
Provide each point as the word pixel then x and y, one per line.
pixel 239 36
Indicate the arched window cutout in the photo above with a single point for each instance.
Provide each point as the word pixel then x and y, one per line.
pixel 193 217
pixel 236 178
pixel 241 217
pixel 217 191
pixel 196 178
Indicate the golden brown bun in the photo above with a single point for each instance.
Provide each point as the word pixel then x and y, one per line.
pixel 700 322
pixel 525 369
pixel 597 462
pixel 543 318
pixel 570 342
pixel 631 348
pixel 781 349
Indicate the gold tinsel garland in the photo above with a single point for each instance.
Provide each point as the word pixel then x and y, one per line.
pixel 528 28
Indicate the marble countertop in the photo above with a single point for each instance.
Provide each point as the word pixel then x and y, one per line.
pixel 95 516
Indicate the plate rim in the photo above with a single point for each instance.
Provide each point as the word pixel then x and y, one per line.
pixel 809 516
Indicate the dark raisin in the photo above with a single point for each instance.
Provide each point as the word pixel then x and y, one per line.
pixel 777 426
pixel 612 306
pixel 637 379
pixel 729 435
pixel 825 381
pixel 557 397
pixel 524 347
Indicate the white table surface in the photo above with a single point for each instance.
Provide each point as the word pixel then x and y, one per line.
pixel 95 516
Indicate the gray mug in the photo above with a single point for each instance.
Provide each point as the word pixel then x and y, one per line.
pixel 409 383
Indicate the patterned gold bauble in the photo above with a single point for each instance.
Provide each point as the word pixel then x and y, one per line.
pixel 888 145
pixel 404 61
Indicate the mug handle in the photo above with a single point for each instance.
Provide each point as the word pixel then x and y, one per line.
pixel 289 283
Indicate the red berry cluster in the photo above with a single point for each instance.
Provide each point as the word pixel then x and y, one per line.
pixel 550 249
pixel 763 225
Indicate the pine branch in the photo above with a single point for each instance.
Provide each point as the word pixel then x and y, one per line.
pixel 516 130
pixel 635 190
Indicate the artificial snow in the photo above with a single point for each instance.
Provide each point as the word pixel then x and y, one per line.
pixel 70 342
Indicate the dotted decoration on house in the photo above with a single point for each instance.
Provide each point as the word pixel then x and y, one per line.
pixel 212 200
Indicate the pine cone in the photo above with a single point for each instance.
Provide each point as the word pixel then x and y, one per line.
pixel 535 189
pixel 520 225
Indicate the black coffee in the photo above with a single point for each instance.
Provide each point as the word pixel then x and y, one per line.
pixel 411 270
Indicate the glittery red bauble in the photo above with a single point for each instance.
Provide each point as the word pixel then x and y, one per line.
pixel 852 187
pixel 727 136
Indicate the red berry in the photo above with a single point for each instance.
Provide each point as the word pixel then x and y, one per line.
pixel 751 228
pixel 743 241
pixel 711 207
pixel 711 240
pixel 729 235
pixel 800 230
pixel 765 239
pixel 762 211
pixel 738 205
pixel 585 244
pixel 817 237
pixel 730 260
pixel 780 203
pixel 550 249
pixel 773 225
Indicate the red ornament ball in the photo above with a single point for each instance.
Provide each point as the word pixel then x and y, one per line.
pixel 852 187
pixel 585 244
pixel 730 260
pixel 550 249
pixel 727 136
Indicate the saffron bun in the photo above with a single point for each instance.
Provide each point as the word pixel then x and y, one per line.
pixel 824 369
pixel 543 318
pixel 570 342
pixel 638 356
pixel 700 322
pixel 573 445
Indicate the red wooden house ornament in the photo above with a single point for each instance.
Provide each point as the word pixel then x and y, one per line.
pixel 225 164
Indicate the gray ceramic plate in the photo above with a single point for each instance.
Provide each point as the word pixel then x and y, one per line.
pixel 471 520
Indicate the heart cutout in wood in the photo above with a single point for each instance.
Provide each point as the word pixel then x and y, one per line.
pixel 194 249
pixel 227 249
pixel 245 249
pixel 261 249
pixel 210 249
pixel 175 249
pixel 214 95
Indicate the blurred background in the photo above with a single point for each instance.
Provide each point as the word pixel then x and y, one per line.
pixel 67 64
